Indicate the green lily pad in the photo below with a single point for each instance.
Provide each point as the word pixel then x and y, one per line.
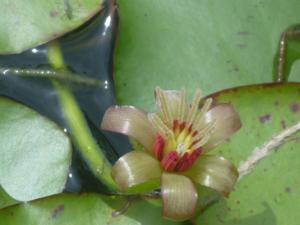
pixel 24 25
pixel 270 193
pixel 81 209
pixel 5 199
pixel 208 44
pixel 35 153
pixel 265 110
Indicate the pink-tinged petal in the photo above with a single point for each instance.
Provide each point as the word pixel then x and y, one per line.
pixel 130 121
pixel 214 172
pixel 137 171
pixel 226 122
pixel 179 197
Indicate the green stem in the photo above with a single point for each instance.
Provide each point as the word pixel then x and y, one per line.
pixel 79 130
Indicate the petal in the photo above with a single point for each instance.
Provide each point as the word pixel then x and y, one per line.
pixel 137 171
pixel 226 122
pixel 214 172
pixel 130 121
pixel 179 197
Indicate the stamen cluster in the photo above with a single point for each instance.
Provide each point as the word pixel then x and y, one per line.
pixel 181 131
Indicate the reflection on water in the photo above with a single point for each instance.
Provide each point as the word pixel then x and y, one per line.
pixel 87 51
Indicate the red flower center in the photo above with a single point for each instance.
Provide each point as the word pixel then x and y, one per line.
pixel 179 151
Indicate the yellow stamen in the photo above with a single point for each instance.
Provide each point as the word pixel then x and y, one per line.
pixel 181 137
pixel 206 130
pixel 163 130
pixel 200 116
pixel 182 107
pixel 177 131
pixel 188 140
pixel 170 145
pixel 201 142
pixel 194 107
pixel 164 107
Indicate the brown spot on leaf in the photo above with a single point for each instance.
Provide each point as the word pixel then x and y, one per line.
pixel 288 190
pixel 283 124
pixel 264 118
pixel 53 14
pixel 236 69
pixel 295 107
pixel 238 202
pixel 57 211
pixel 241 46
pixel 227 140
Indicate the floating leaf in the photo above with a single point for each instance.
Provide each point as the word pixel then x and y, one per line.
pixel 271 192
pixel 24 25
pixel 35 153
pixel 208 44
pixel 81 209
pixel 5 199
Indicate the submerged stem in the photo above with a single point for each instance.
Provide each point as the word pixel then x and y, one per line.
pixel 79 130
pixel 53 74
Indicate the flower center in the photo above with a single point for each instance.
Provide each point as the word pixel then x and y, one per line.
pixel 179 150
pixel 178 142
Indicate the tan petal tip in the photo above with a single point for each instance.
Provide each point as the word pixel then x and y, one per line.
pixel 179 197
pixel 130 121
pixel 137 171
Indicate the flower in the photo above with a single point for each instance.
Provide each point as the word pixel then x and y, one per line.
pixel 176 139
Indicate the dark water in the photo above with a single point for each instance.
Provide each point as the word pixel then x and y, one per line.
pixel 89 51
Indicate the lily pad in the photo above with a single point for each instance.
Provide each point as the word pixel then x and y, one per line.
pixel 24 25
pixel 35 153
pixel 81 209
pixel 270 193
pixel 265 110
pixel 208 44
pixel 5 199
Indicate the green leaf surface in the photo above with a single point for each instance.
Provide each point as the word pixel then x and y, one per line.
pixel 270 193
pixel 5 199
pixel 35 153
pixel 24 24
pixel 82 209
pixel 209 44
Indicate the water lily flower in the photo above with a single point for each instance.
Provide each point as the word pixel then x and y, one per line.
pixel 176 139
